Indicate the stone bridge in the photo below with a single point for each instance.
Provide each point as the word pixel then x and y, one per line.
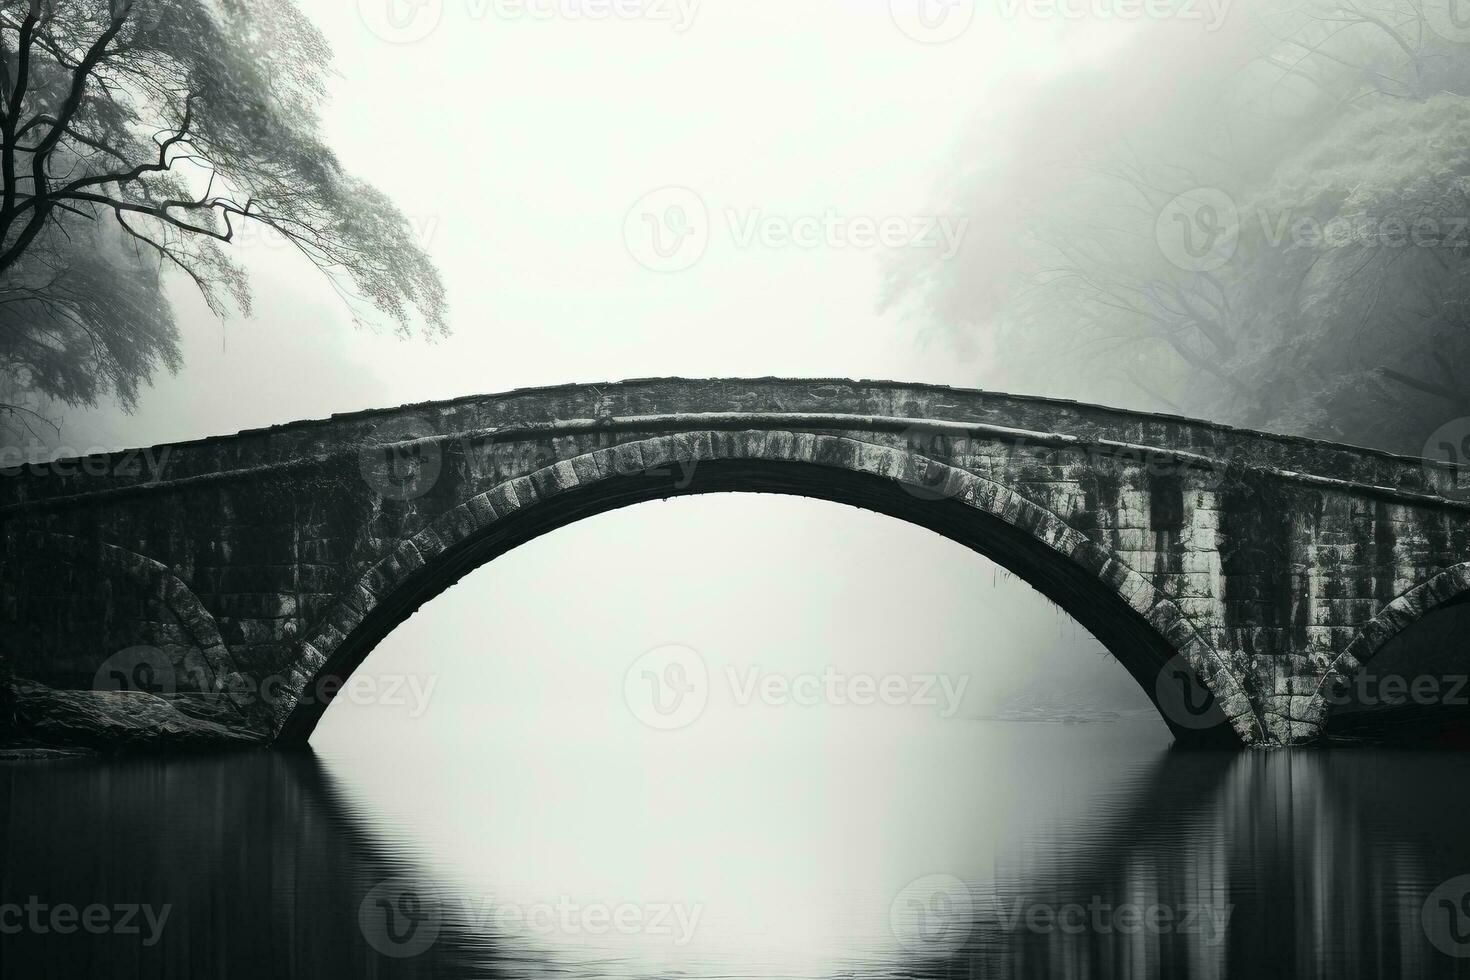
pixel 217 592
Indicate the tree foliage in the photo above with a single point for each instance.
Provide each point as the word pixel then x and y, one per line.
pixel 1337 136
pixel 142 136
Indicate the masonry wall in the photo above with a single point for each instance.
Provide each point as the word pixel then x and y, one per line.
pixel 223 556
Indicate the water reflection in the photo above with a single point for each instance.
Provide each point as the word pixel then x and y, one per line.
pixel 1050 852
pixel 244 865
pixel 1315 863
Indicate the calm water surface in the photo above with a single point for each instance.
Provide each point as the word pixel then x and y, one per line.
pixel 972 849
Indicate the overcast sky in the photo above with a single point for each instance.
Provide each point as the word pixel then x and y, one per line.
pixel 525 148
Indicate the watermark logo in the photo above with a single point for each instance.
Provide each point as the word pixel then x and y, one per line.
pixel 409 21
pixel 667 687
pixel 38 459
pixel 401 917
pixel 1392 690
pixel 1209 13
pixel 1238 464
pixel 667 230
pixel 832 686
pixel 676 921
pixel 679 14
pixel 149 670
pixel 1198 231
pixel 141 669
pixel 411 692
pixel 1445 917
pixel 830 229
pixel 1102 917
pixel 676 464
pixel 1450 19
pixel 933 915
pixel 1450 443
pixel 401 21
pixel 932 21
pixel 63 919
pixel 1183 698
pixel 1201 229
pixel 1361 229
pixel 143 15
pixel 402 458
pixel 929 449
pixel 934 452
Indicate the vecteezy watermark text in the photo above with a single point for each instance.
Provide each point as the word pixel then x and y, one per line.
pixel 1208 13
pixel 669 230
pixel 1445 917
pixel 1201 229
pixel 935 914
pixel 150 670
pixel 1375 690
pixel 63 918
pixel 836 687
pixel 95 461
pixel 669 686
pixel 1101 916
pixel 753 226
pixel 403 459
pixel 410 21
pixel 942 452
pixel 1449 445
pixel 403 916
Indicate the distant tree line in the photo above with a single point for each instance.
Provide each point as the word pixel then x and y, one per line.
pixel 1267 226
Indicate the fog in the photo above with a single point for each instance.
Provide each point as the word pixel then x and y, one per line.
pixel 826 741
pixel 518 145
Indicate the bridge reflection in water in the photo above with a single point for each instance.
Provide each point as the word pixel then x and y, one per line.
pixel 1321 861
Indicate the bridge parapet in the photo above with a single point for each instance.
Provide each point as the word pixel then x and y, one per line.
pixel 295 443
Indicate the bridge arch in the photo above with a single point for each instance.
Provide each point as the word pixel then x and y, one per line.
pixel 1141 627
pixel 1438 591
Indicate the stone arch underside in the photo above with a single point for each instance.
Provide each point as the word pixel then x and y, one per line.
pixel 1140 626
pixel 1403 612
pixel 193 706
pixel 215 664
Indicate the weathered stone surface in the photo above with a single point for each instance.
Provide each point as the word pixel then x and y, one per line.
pixel 109 720
pixel 272 560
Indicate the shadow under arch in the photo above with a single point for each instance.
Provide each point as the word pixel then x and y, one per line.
pixel 1141 628
pixel 1448 588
